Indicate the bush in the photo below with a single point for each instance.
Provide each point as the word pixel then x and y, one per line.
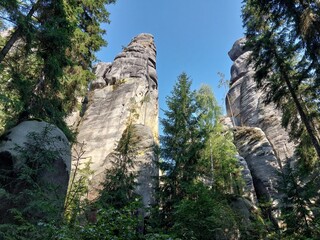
pixel 204 215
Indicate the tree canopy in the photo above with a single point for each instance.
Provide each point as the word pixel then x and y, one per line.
pixel 47 51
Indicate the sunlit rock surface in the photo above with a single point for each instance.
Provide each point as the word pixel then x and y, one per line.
pixel 124 92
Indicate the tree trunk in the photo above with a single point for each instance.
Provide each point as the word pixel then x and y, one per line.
pixel 304 117
pixel 299 107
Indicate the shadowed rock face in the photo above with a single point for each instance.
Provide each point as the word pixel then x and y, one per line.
pixel 258 153
pixel 124 92
pixel 259 136
pixel 37 138
pixel 245 104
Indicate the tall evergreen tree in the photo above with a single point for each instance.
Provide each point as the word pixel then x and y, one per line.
pixel 299 204
pixel 180 145
pixel 33 69
pixel 284 38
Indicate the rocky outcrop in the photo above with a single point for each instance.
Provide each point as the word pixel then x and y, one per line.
pixel 248 187
pixel 246 105
pixel 258 153
pixel 259 136
pixel 124 92
pixel 42 148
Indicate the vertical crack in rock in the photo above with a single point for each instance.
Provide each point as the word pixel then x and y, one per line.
pixel 124 92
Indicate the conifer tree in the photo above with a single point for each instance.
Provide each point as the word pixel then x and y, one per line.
pixel 283 38
pixel 299 205
pixel 120 180
pixel 180 145
pixel 46 57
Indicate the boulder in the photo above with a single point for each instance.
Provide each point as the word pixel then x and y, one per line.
pixel 31 144
pixel 21 135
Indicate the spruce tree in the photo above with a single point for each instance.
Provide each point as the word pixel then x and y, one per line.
pixel 181 145
pixel 300 204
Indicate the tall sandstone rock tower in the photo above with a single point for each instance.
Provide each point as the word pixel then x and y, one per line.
pixel 124 93
pixel 259 136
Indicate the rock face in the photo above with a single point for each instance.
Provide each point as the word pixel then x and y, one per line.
pixel 35 138
pixel 259 136
pixel 258 153
pixel 245 105
pixel 124 92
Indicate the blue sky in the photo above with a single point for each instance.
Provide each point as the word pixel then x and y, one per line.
pixel 191 36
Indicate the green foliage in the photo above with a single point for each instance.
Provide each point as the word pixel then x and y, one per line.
pixel 75 203
pixel 208 105
pixel 35 214
pixel 48 65
pixel 196 150
pixel 279 33
pixel 307 156
pixel 28 196
pixel 110 223
pixel 180 145
pixel 227 175
pixel 204 215
pixel 300 204
pixel 217 162
pixel 284 36
pixel 33 75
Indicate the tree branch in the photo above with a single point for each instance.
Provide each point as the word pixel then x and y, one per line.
pixel 17 33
